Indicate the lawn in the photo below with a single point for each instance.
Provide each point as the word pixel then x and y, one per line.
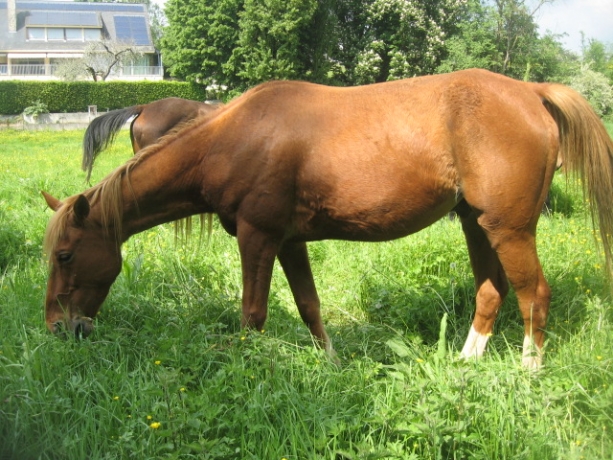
pixel 168 372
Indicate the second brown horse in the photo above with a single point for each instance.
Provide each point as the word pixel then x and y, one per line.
pixel 150 122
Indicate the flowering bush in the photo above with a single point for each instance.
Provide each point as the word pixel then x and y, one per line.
pixel 595 87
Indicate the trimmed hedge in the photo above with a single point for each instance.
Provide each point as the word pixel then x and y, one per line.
pixel 62 97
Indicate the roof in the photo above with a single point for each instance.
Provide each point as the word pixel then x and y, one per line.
pixel 127 22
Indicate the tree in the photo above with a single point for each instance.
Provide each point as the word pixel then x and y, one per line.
pixel 157 21
pixel 239 43
pixel 549 61
pixel 473 45
pixel 405 38
pixel 200 38
pixel 269 40
pixel 100 58
pixel 598 57
pixel 502 36
pixel 350 39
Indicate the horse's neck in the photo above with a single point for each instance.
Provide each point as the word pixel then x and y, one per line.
pixel 163 187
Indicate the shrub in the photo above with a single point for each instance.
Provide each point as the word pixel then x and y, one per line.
pixel 65 96
pixel 595 87
pixel 36 109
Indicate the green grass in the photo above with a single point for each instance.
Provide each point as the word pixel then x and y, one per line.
pixel 168 347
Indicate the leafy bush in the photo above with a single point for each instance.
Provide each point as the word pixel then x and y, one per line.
pixel 36 109
pixel 595 87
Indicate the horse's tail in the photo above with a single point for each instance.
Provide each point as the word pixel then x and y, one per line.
pixel 586 150
pixel 101 133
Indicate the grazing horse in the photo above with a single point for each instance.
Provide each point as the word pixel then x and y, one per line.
pixel 151 121
pixel 292 162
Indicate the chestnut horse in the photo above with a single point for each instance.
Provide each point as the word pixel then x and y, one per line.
pixel 292 162
pixel 151 121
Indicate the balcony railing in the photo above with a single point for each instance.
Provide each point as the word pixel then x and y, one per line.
pixel 44 70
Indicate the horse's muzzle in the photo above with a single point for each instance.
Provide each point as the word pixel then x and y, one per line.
pixel 81 327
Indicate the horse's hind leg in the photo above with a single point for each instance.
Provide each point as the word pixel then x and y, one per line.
pixel 515 247
pixel 295 262
pixel 517 252
pixel 491 284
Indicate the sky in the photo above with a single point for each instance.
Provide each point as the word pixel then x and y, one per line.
pixel 593 17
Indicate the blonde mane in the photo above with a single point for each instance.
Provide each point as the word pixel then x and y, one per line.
pixel 108 195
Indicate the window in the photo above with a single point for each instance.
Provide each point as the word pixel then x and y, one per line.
pixel 74 34
pixel 55 34
pixel 92 34
pixel 36 33
pixel 28 66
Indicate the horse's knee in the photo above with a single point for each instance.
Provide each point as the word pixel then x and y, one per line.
pixel 489 298
pixel 254 319
pixel 535 313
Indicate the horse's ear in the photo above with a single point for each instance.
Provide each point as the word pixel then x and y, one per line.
pixel 81 209
pixel 52 202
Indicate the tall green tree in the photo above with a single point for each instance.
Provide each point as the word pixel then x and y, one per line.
pixel 599 57
pixel 350 38
pixel 271 34
pixel 199 40
pixel 473 44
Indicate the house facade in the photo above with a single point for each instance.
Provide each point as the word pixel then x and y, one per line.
pixel 36 37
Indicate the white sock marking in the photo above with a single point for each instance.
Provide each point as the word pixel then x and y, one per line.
pixel 532 356
pixel 475 344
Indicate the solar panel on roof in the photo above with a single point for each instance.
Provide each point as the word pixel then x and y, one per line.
pixel 60 19
pixel 78 6
pixel 131 29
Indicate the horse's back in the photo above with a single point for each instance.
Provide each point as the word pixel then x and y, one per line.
pixel 387 159
pixel 159 117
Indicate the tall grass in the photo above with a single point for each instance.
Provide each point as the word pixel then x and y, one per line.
pixel 169 373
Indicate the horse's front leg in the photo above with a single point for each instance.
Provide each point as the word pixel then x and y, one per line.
pixel 295 262
pixel 258 251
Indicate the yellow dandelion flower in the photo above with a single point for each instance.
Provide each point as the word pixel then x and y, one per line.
pixel 243 337
pixel 149 417
pixel 157 362
pixel 419 360
pixel 115 398
pixel 599 358
pixel 155 425
pixel 182 389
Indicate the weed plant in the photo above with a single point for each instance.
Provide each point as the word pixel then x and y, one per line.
pixel 168 372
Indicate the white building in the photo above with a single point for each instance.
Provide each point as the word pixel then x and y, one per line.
pixel 35 36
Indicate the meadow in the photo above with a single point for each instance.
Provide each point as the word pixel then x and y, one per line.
pixel 169 374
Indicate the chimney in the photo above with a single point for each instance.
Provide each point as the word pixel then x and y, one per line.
pixel 12 15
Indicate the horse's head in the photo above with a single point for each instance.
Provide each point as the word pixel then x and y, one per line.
pixel 84 260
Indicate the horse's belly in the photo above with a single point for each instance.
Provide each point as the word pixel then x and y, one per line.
pixel 371 221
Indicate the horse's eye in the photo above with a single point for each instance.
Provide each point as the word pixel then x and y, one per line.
pixel 64 257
